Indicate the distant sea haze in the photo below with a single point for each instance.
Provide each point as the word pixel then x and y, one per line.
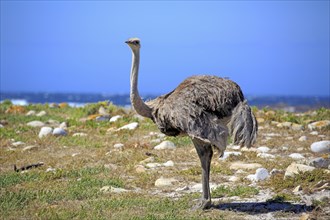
pixel 287 103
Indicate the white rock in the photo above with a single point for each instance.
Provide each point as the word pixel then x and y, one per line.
pixel 36 124
pixel 297 127
pixel 155 141
pixel 50 169
pixel 18 143
pixel 1 126
pixel 80 134
pixel 297 189
pixel 30 113
pixel 265 155
pixel 302 138
pixel 295 168
pixel 42 113
pixel 115 118
pixel 234 179
pixel 165 145
pixel 228 153
pixel 44 131
pixel 263 149
pixel 153 165
pixel 130 126
pixel 320 162
pixel 296 156
pixel 261 174
pixel 321 147
pixel 118 145
pixel 161 182
pixel 319 125
pixel 234 147
pixel 112 189
pixel 31 147
pixel 63 125
pixel 59 132
pixel 314 133
pixel 169 163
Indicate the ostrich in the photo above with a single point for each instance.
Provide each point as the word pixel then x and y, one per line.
pixel 206 108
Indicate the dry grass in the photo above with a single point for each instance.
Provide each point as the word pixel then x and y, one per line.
pixel 83 165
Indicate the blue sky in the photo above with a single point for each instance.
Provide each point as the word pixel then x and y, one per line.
pixel 267 47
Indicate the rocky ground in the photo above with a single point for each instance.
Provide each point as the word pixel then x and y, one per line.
pixel 284 176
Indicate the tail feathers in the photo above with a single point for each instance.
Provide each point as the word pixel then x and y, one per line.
pixel 243 125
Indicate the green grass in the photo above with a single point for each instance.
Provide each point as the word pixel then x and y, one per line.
pixel 242 191
pixel 83 165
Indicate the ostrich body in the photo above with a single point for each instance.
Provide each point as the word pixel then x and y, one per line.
pixel 206 108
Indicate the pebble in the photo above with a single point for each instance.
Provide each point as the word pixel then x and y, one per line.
pixel 314 133
pixel 1 126
pixel 261 174
pixel 153 165
pixel 228 154
pixel 102 111
pixel 118 146
pixel 31 113
pixel 321 147
pixel 31 147
pixel 41 113
pixel 102 118
pixel 302 138
pixel 112 189
pixel 265 155
pixel 155 141
pixel 50 169
pixel 234 179
pixel 296 156
pixel 115 118
pixel 296 168
pixel 59 132
pixel 44 131
pixel 284 124
pixel 245 166
pixel 234 147
pixel 162 182
pixel 18 143
pixel 319 162
pixel 140 169
pixel 130 126
pixel 275 172
pixel 297 189
pixel 165 145
pixel 80 134
pixel 263 149
pixel 169 163
pixel 63 125
pixel 319 125
pixel 297 127
pixel 36 124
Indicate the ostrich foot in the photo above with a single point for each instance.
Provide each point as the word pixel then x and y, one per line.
pixel 202 204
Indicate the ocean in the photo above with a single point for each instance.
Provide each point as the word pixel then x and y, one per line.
pixel 286 103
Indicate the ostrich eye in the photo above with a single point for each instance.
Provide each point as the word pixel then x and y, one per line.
pixel 136 42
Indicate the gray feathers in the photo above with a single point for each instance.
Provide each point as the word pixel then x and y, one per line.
pixel 201 107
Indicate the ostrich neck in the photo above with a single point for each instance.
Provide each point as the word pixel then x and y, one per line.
pixel 140 107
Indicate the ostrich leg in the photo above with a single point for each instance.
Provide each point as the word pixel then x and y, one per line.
pixel 205 152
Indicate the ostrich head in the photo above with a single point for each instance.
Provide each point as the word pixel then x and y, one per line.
pixel 134 43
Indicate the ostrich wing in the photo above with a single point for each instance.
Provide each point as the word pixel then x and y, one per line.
pixel 198 107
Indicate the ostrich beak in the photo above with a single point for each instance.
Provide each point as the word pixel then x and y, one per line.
pixel 127 42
